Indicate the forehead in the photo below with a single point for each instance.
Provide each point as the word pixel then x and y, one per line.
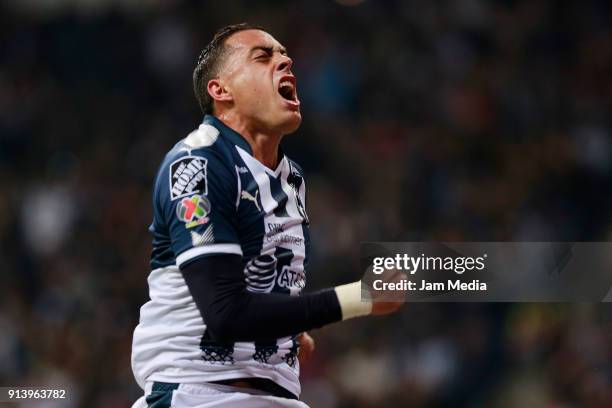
pixel 244 41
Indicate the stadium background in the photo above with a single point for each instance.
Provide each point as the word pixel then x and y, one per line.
pixel 446 120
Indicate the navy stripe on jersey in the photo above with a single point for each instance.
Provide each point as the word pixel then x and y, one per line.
pixel 279 196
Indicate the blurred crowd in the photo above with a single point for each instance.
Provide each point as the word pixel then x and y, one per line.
pixel 464 120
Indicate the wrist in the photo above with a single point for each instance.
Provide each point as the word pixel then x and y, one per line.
pixel 350 300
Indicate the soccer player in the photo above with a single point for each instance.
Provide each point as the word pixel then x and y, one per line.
pixel 226 319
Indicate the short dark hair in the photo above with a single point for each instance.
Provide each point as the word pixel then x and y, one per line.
pixel 209 62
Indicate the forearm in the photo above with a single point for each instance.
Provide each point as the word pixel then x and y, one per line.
pixel 258 316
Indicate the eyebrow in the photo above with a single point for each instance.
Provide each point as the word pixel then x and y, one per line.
pixel 267 49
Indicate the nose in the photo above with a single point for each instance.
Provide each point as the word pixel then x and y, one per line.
pixel 285 63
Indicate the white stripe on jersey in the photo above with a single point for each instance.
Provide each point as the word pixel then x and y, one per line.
pixel 238 187
pixel 208 249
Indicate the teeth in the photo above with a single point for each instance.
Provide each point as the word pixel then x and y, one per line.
pixel 287 90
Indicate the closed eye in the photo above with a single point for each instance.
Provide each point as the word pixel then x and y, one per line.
pixel 260 53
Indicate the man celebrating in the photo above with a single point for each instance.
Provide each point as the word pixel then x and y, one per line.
pixel 230 244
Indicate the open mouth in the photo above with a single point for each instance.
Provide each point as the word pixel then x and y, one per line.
pixel 287 90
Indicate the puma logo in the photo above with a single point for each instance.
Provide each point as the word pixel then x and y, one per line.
pixel 245 195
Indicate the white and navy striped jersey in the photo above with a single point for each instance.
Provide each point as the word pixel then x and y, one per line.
pixel 212 196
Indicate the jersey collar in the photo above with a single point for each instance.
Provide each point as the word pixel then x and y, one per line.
pixel 234 137
pixel 237 139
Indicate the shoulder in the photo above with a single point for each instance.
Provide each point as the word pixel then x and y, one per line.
pixel 193 161
pixel 205 143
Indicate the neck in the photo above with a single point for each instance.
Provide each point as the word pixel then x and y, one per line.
pixel 264 144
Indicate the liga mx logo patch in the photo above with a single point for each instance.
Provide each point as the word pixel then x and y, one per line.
pixel 193 210
pixel 188 176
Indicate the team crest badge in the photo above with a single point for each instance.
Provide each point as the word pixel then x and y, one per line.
pixel 188 176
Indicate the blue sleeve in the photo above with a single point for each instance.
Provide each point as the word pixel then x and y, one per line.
pixel 197 197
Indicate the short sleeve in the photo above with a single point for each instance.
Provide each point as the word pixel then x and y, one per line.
pixel 198 199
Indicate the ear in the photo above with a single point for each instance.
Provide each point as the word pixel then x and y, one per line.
pixel 218 91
